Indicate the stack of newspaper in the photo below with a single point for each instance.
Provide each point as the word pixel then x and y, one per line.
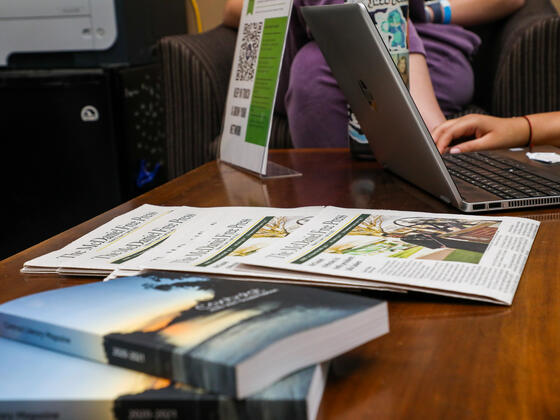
pixel 475 257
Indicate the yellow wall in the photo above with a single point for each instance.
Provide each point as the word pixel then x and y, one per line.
pixel 210 14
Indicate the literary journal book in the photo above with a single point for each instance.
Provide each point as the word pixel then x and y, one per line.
pixel 226 336
pixel 42 384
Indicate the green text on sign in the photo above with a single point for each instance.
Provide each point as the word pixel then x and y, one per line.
pixel 268 68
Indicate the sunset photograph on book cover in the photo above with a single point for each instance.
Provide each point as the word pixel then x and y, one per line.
pixel 38 381
pixel 449 239
pixel 217 327
pixel 191 329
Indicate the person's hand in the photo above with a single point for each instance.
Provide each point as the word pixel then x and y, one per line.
pixel 489 132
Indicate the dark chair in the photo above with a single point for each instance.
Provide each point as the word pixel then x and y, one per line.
pixel 517 72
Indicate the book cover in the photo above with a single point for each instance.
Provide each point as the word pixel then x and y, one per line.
pixel 42 384
pixel 226 336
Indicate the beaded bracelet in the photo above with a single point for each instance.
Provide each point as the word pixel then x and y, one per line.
pixel 530 141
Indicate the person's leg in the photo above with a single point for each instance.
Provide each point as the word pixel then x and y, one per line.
pixel 316 108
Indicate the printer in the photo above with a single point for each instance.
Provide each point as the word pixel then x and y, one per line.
pixel 81 109
pixel 85 33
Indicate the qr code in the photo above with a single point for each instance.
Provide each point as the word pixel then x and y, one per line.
pixel 249 49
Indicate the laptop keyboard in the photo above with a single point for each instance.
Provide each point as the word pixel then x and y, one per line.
pixel 507 178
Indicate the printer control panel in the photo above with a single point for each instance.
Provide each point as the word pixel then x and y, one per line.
pixel 56 25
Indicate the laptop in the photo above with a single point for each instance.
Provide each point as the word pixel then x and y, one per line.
pixel 401 142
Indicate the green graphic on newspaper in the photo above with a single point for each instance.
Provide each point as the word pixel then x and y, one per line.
pixel 442 239
pixel 236 244
pixel 268 68
pixel 257 237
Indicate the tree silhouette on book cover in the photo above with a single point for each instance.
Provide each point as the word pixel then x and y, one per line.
pixel 218 328
pixel 42 384
pixel 287 398
pixel 232 337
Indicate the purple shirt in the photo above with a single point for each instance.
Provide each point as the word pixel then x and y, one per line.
pixel 316 107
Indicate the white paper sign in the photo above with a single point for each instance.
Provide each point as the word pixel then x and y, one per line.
pixel 253 83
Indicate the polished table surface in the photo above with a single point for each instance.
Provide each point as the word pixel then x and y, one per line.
pixel 444 358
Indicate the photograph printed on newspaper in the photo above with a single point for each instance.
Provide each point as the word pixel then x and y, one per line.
pixel 479 257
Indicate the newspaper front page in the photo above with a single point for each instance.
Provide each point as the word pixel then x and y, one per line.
pixel 477 257
pixel 142 230
pixel 228 236
pixel 233 235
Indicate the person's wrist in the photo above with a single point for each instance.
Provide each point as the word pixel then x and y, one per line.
pixel 438 11
pixel 529 142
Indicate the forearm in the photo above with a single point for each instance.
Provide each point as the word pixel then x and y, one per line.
pixel 475 12
pixel 422 92
pixel 545 128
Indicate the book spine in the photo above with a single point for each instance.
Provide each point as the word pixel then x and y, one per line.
pixel 155 360
pixel 60 410
pixel 158 358
pixel 217 408
pixel 147 355
pixel 173 408
pixel 52 337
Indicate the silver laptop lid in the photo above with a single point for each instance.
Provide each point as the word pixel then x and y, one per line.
pixel 374 89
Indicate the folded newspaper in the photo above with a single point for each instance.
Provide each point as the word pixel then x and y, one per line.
pixel 126 237
pixel 474 257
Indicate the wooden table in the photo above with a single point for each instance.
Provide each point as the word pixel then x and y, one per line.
pixel 443 358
